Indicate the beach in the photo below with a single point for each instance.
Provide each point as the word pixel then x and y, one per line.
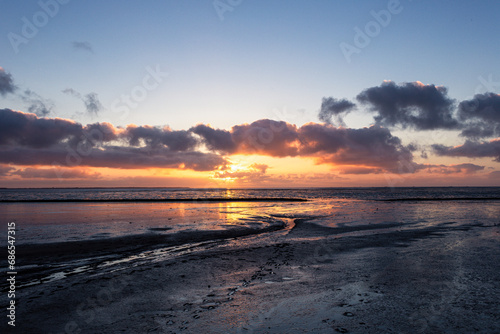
pixel 329 264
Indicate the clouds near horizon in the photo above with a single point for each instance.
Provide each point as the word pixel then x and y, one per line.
pixel 471 149
pixel 32 141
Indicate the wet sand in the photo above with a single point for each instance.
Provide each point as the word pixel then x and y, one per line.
pixel 302 277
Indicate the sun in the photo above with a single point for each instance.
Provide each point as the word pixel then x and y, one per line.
pixel 232 173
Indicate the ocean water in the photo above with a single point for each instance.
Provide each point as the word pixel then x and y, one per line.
pixel 112 212
pixel 60 232
pixel 376 193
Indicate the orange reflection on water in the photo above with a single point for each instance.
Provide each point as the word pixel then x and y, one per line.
pixel 233 213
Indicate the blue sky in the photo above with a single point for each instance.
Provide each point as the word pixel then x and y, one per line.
pixel 229 62
pixel 263 58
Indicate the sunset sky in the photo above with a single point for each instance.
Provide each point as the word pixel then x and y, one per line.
pixel 249 93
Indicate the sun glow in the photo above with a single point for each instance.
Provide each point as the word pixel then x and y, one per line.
pixel 231 174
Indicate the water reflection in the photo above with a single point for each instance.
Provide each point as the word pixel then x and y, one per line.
pixel 50 222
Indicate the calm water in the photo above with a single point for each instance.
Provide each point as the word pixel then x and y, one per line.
pixel 331 207
pixel 169 228
pixel 315 193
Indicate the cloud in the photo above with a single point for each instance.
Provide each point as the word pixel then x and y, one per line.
pixel 410 105
pixel 155 137
pixel 91 101
pixel 372 147
pixel 361 170
pixel 466 168
pixel 481 115
pixel 6 82
pixel 5 170
pixel 336 109
pixel 83 46
pixel 49 173
pixel 26 139
pixel 494 175
pixel 27 129
pixel 264 136
pixel 37 104
pixel 71 91
pixel 112 157
pixel 471 149
pixel 215 139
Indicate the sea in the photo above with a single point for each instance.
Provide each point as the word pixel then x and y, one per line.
pixel 69 214
pixel 61 232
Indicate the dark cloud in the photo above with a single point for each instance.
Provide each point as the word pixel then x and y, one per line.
pixel 84 46
pixel 471 149
pixel 26 139
pixel 410 105
pixel 481 116
pixel 112 157
pixel 18 128
pixel 215 139
pixel 333 110
pixel 98 133
pixel 91 101
pixel 263 136
pixel 371 147
pixel 6 82
pixel 267 137
pixel 155 137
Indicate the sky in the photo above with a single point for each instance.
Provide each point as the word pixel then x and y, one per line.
pixel 246 94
